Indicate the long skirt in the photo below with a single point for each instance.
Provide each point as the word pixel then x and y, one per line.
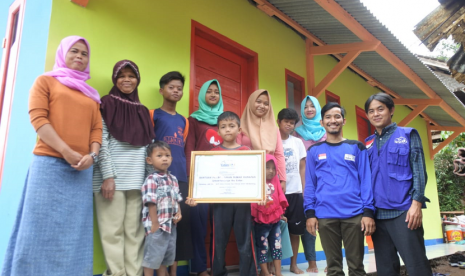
pixel 52 234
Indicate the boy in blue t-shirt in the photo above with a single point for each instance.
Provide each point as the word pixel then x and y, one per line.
pixel 171 127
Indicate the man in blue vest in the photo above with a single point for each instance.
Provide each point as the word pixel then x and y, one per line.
pixel 399 179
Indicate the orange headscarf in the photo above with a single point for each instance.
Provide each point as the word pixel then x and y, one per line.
pixel 262 132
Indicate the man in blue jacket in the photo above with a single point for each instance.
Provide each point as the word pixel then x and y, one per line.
pixel 399 179
pixel 338 197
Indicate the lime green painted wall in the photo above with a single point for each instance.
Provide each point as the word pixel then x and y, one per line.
pixel 156 35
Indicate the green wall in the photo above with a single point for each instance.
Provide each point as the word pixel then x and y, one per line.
pixel 156 35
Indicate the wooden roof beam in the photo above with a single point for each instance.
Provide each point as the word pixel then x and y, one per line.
pixel 344 48
pixel 310 66
pixel 412 115
pixel 347 20
pixel 430 141
pixel 271 10
pixel 447 128
pixel 446 142
pixel 452 113
pixel 335 72
pixel 433 102
pixel 398 97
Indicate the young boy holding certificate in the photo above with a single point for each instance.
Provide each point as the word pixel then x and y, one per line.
pixel 231 215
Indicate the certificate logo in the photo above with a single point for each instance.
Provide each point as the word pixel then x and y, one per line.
pixel 227 164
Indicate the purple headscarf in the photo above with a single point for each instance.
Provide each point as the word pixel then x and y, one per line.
pixel 127 119
pixel 72 78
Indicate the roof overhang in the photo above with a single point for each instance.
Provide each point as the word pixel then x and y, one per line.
pixel 391 67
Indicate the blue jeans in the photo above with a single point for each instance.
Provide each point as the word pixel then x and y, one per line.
pixel 266 236
pixel 308 242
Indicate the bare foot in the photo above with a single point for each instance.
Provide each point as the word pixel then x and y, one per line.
pixel 204 273
pixel 263 273
pixel 312 268
pixel 271 268
pixel 294 269
pixel 326 269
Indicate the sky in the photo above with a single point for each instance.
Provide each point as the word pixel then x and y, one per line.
pixel 401 16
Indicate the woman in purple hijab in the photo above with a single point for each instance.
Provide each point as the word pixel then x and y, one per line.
pixel 120 173
pixel 53 232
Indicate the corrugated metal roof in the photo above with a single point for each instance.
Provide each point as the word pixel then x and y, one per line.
pixel 324 26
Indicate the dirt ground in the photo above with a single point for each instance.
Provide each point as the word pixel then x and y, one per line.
pixel 438 265
pixel 441 265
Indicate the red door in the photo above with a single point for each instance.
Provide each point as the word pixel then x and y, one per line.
pixel 215 56
pixel 213 62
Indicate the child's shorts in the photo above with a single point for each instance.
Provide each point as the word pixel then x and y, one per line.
pixel 295 214
pixel 159 249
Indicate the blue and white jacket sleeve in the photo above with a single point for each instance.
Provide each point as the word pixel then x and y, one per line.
pixel 366 187
pixel 310 186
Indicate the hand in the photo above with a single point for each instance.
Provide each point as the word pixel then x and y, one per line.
pixel 85 163
pixel 283 186
pixel 191 202
pixel 265 202
pixel 283 218
pixel 414 215
pixel 155 227
pixel 312 226
pixel 71 156
pixel 108 188
pixel 368 225
pixel 177 217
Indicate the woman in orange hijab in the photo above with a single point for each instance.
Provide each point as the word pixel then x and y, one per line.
pixel 259 130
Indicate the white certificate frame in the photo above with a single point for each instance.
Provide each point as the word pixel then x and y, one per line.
pixel 219 177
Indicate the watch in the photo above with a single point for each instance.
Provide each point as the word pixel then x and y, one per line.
pixel 94 157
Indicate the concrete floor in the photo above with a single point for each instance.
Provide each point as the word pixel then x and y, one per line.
pixel 433 251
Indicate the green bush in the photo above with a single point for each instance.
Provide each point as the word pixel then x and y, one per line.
pixel 451 187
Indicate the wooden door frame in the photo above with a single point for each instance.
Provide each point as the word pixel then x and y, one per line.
pixel 214 37
pixel 18 6
pixel 298 78
pixel 334 96
pixel 361 112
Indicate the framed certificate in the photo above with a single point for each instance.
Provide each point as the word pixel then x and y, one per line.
pixel 227 176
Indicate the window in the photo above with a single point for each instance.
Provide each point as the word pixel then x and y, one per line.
pixel 331 97
pixel 364 127
pixel 295 90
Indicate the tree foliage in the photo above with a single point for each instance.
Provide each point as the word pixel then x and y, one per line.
pixel 446 49
pixel 451 187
